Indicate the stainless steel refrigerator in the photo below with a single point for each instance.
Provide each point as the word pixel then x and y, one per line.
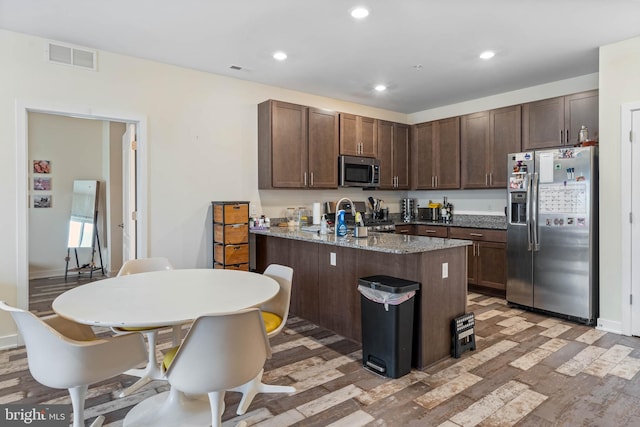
pixel 552 231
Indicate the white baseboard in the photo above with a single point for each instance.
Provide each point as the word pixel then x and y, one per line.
pixel 613 326
pixel 8 341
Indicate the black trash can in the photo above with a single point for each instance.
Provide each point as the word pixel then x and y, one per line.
pixel 387 324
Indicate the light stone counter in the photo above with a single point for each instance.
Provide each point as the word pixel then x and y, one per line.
pixel 379 242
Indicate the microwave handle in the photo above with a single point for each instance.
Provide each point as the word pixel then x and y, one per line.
pixel 373 173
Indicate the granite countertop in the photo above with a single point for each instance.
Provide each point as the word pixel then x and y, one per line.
pixel 494 222
pixel 379 242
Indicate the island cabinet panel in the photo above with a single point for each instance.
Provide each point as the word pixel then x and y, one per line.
pixel 441 300
pixel 303 258
pixel 327 294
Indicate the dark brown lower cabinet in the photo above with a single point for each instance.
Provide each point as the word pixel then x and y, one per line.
pixel 487 259
pixel 327 294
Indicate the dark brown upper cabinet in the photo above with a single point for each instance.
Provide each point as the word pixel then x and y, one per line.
pixel 435 155
pixel 556 122
pixel 358 136
pixel 297 146
pixel 393 154
pixel 486 139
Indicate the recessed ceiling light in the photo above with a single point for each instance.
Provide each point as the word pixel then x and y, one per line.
pixel 359 12
pixel 487 54
pixel 380 88
pixel 280 56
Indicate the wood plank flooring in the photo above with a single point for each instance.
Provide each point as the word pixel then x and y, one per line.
pixel 528 370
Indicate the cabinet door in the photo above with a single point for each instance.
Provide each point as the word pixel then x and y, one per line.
pixel 288 145
pixel 491 265
pixel 474 146
pixel 422 156
pixel 401 155
pixel 543 124
pixel 349 144
pixel 581 109
pixel 323 149
pixel 368 132
pixel 385 154
pixel 505 137
pixel 448 153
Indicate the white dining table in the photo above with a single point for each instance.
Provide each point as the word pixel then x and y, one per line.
pixel 165 298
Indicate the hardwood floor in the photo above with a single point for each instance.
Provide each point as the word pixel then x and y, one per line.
pixel 528 370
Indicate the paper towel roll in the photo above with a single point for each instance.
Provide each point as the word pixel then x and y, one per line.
pixel 316 213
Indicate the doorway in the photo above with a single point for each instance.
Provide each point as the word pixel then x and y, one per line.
pixel 630 207
pixel 22 195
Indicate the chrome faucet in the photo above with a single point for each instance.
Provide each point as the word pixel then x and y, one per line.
pixel 353 211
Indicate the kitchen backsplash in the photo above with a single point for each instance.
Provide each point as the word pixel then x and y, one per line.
pixel 273 203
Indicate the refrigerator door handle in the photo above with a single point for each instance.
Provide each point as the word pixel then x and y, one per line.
pixel 534 212
pixel 528 208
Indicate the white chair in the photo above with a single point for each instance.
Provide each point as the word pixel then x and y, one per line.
pixel 220 352
pixel 274 314
pixel 65 354
pixel 152 370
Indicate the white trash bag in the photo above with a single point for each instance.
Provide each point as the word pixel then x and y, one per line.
pixel 385 298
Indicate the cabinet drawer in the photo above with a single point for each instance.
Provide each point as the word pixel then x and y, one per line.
pixel 433 231
pixel 231 254
pixel 231 234
pixel 405 229
pixel 231 214
pixel 242 267
pixel 478 234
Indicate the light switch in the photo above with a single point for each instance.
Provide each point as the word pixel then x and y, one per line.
pixel 445 270
pixel 332 258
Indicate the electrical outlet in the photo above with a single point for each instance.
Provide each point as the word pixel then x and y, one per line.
pixel 445 270
pixel 332 258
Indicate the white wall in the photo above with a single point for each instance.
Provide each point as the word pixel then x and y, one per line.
pixel 202 142
pixel 74 148
pixel 619 84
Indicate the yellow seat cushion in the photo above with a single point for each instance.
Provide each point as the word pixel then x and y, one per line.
pixel 271 321
pixel 169 356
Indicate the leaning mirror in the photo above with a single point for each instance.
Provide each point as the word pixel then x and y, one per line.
pixel 84 206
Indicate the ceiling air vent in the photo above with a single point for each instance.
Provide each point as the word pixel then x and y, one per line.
pixel 74 56
pixel 235 67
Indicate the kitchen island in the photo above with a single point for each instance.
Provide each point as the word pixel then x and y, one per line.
pixel 327 269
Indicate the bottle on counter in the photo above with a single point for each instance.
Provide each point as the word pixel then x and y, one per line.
pixel 341 225
pixel 323 225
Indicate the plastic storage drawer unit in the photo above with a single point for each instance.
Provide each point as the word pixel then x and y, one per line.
pixel 387 324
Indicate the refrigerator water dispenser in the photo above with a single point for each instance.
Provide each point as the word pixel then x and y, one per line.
pixel 518 208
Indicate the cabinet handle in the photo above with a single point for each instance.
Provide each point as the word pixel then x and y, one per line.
pixel 432 182
pixel 478 244
pixel 567 135
pixel 305 179
pixel 236 207
pixel 311 179
pixel 237 225
pixel 490 178
pixel 403 231
pixel 430 231
pixel 486 179
pixel 476 234
pixel 437 181
pixel 561 136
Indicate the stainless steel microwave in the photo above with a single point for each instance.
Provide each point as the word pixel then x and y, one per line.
pixel 358 171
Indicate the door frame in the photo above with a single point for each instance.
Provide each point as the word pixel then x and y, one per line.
pixel 626 193
pixel 22 178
